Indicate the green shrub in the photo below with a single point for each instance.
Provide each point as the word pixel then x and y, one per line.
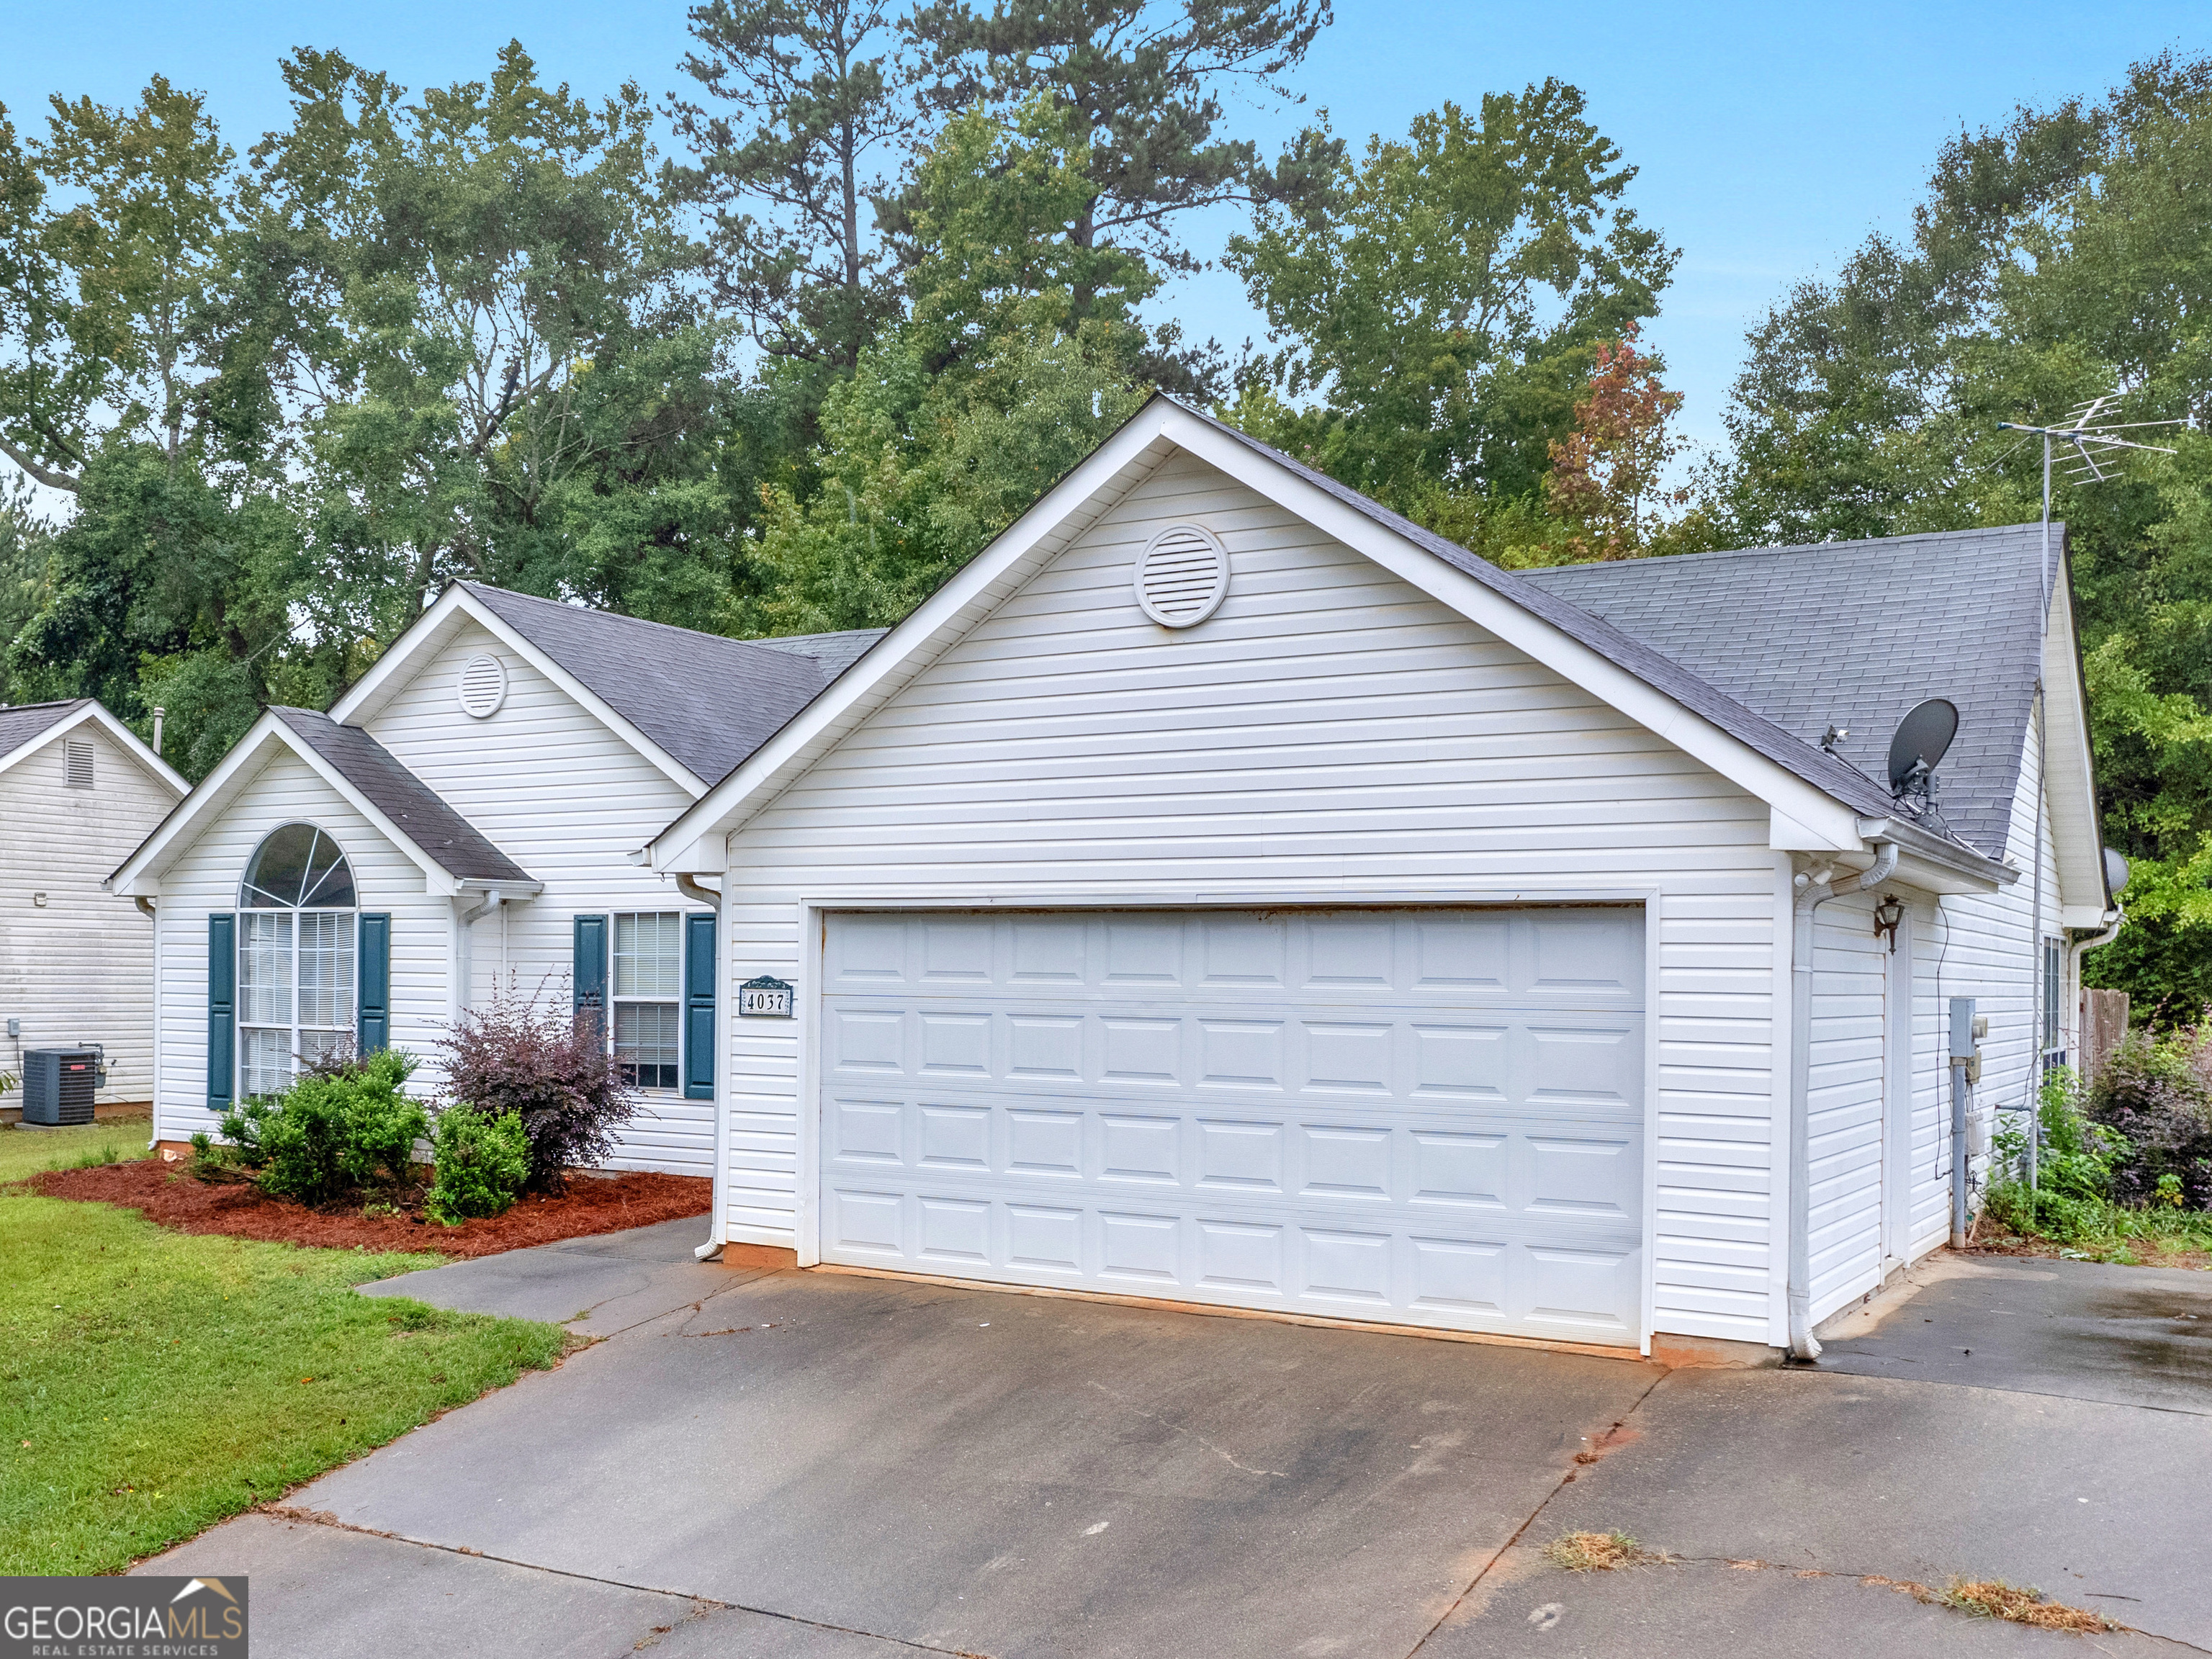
pixel 483 1163
pixel 549 1066
pixel 334 1132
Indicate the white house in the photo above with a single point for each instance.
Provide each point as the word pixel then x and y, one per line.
pixel 1225 890
pixel 78 790
pixel 465 821
pixel 1222 890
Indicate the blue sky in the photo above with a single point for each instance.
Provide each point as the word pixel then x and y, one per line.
pixel 1770 138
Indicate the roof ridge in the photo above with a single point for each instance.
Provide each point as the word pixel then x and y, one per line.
pixel 1665 560
pixel 1842 782
pixel 48 702
pixel 618 617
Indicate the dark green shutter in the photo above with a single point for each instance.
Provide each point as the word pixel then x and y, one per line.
pixel 222 1011
pixel 372 964
pixel 698 1007
pixel 589 974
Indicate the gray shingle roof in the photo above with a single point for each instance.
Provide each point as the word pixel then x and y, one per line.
pixel 836 652
pixel 19 724
pixel 1832 776
pixel 708 700
pixel 419 812
pixel 1854 634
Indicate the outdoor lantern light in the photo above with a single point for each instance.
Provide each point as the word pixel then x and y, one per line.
pixel 1887 915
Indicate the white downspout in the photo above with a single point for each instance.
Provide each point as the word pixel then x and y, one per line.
pixel 2085 939
pixel 2039 1013
pixel 1811 892
pixel 718 1231
pixel 464 943
pixel 151 908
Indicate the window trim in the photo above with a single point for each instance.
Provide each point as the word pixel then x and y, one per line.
pixel 672 1003
pixel 344 951
pixel 2051 971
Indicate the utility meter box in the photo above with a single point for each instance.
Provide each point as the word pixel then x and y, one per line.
pixel 1968 1031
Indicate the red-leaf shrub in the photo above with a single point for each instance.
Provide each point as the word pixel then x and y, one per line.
pixel 532 1057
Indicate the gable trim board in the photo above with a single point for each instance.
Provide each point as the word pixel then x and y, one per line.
pixel 692 703
pixel 70 717
pixel 424 636
pixel 476 866
pixel 2085 898
pixel 1819 801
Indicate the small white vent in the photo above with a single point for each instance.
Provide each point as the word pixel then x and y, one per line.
pixel 483 686
pixel 1183 576
pixel 76 762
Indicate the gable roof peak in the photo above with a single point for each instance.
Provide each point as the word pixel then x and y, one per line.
pixel 704 700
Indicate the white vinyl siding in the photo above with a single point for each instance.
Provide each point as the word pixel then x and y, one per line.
pixel 569 801
pixel 80 967
pixel 1330 729
pixel 1847 1086
pixel 1982 946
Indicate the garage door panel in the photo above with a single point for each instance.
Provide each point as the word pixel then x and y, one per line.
pixel 865 1132
pixel 1510 1055
pixel 1343 1161
pixel 1556 1163
pixel 1464 1276
pixel 1581 957
pixel 1462 953
pixel 1495 1222
pixel 1370 1113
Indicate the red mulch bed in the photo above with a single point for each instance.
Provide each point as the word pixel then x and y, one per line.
pixel 169 1197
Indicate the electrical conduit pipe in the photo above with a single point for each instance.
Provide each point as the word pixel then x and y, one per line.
pixel 718 1232
pixel 1811 892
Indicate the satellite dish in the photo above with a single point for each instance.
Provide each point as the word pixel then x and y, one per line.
pixel 2116 872
pixel 1923 737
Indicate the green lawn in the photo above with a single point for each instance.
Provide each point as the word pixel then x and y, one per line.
pixel 153 1383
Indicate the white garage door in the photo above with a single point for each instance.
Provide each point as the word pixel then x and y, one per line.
pixel 1426 1117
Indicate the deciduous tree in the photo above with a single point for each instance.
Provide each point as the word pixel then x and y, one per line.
pixel 1437 301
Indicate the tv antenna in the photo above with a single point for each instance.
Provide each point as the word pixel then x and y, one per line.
pixel 2084 444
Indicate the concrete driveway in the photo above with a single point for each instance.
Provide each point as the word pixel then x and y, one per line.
pixel 765 1462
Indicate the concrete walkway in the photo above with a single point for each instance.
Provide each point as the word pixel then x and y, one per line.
pixel 763 1461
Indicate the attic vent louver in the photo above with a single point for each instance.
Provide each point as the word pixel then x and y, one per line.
pixel 1182 576
pixel 76 762
pixel 483 686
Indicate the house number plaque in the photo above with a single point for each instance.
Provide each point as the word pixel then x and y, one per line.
pixel 765 998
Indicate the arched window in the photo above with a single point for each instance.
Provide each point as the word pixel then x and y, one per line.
pixel 295 957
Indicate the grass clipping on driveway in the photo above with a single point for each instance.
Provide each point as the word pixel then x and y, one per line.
pixel 1600 1551
pixel 1992 1598
pixel 153 1383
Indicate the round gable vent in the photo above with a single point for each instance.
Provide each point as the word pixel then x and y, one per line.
pixel 483 686
pixel 1182 576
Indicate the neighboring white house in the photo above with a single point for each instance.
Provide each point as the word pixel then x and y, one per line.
pixel 465 821
pixel 1225 890
pixel 78 791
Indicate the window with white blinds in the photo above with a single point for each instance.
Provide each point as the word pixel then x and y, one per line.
pixel 648 984
pixel 297 974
